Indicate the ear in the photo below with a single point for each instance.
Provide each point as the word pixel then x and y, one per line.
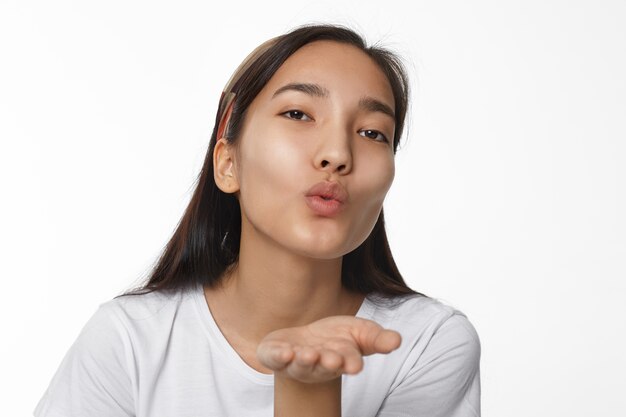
pixel 224 167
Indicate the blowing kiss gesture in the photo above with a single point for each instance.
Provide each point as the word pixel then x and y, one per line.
pixel 308 361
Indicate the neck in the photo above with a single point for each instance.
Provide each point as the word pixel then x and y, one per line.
pixel 271 288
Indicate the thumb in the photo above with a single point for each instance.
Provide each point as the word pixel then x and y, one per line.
pixel 373 338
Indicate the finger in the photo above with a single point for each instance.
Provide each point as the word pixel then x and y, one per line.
pixel 306 356
pixel 350 354
pixel 303 364
pixel 387 341
pixel 331 361
pixel 275 355
pixel 353 364
pixel 373 338
pixel 327 367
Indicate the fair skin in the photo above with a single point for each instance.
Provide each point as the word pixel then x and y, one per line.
pixel 283 308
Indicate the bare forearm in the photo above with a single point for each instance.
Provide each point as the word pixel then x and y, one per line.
pixel 295 398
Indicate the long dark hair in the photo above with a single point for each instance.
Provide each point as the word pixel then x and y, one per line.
pixel 206 241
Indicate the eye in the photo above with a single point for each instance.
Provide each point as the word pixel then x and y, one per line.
pixel 373 134
pixel 296 115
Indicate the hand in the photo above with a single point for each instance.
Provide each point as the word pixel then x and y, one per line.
pixel 325 349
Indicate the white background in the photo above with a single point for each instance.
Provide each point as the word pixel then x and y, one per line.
pixel 506 202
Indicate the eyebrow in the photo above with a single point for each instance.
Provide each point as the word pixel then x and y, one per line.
pixel 310 89
pixel 369 104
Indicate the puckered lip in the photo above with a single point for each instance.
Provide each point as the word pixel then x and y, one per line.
pixel 330 190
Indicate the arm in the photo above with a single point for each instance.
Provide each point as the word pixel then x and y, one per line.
pixel 308 362
pixel 295 398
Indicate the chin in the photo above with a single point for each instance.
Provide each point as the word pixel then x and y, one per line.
pixel 316 246
pixel 321 250
pixel 324 256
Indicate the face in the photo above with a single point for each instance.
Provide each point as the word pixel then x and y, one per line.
pixel 335 128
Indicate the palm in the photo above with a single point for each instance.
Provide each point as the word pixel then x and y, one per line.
pixel 325 349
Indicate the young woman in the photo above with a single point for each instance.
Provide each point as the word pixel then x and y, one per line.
pixel 278 294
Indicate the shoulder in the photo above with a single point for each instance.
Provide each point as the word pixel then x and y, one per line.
pixel 99 373
pixel 413 310
pixel 437 366
pixel 429 324
pixel 144 316
pixel 142 306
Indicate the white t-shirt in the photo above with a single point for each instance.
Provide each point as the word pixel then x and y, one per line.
pixel 163 355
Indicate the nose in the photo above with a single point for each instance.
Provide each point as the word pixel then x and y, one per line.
pixel 334 153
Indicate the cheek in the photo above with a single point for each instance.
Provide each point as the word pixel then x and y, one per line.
pixel 271 176
pixel 375 179
pixel 372 185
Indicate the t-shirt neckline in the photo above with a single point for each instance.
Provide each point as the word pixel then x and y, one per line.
pixel 216 337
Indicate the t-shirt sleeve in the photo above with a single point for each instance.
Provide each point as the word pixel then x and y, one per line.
pixel 445 380
pixel 93 378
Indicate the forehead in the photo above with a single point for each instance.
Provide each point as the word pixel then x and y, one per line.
pixel 340 68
